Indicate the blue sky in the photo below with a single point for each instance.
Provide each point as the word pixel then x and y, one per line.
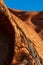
pixel 27 5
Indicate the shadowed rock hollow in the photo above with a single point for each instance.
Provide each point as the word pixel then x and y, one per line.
pixel 6 40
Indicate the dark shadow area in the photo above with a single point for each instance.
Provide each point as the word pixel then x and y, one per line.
pixel 41 60
pixel 37 20
pixel 6 40
pixel 22 15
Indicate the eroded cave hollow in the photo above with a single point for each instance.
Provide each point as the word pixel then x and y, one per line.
pixel 6 40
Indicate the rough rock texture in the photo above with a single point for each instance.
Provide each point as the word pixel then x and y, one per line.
pixel 26 31
pixel 34 20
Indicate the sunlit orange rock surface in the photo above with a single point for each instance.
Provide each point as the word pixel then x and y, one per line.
pixel 34 19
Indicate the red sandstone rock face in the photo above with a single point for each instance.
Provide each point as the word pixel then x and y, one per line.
pixel 34 23
pixel 34 19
